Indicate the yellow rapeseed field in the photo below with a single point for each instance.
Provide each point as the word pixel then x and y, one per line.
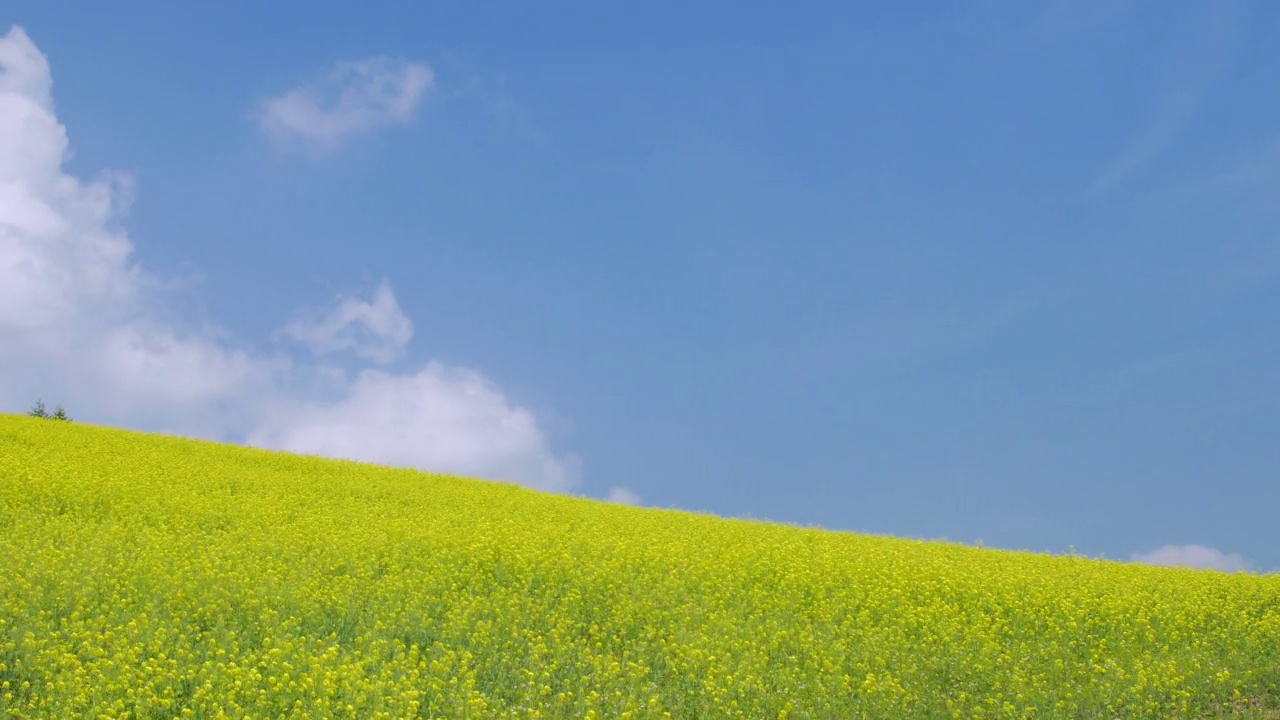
pixel 144 576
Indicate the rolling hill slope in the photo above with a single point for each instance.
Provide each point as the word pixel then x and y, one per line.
pixel 147 576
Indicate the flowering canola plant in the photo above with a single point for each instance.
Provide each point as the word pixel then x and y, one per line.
pixel 144 576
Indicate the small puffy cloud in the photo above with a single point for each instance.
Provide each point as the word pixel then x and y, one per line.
pixel 449 420
pixel 623 496
pixel 355 97
pixel 375 330
pixel 1193 556
pixel 84 326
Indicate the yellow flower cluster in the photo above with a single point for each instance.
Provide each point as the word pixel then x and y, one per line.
pixel 144 576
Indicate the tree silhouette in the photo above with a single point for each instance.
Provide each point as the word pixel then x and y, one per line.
pixel 38 411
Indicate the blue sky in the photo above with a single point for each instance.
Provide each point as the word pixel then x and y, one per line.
pixel 1005 273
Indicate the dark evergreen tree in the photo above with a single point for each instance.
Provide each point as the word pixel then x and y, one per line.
pixel 39 411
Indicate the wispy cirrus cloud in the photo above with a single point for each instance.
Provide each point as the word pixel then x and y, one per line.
pixel 1251 181
pixel 1058 18
pixel 353 98
pixel 374 329
pixel 84 325
pixel 494 101
pixel 1189 75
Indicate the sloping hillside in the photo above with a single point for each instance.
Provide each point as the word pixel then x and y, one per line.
pixel 148 576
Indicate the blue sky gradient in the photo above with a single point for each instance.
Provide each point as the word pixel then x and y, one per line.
pixel 1008 272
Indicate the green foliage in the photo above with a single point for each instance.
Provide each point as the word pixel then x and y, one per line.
pixel 38 410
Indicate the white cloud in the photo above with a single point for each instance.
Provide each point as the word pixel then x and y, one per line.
pixel 84 326
pixel 355 97
pixel 623 496
pixel 1193 556
pixel 61 253
pixel 376 330
pixel 453 416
